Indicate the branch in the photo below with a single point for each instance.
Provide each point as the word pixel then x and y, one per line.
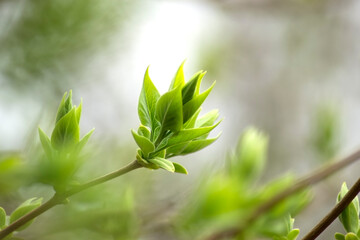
pixel 301 184
pixel 59 198
pixel 334 213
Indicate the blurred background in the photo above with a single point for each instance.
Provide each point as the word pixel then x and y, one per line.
pixel 290 68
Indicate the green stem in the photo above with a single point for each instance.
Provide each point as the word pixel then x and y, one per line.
pixel 304 182
pixel 59 198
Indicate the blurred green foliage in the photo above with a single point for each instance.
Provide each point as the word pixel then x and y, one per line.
pixel 230 196
pixel 11 173
pixel 325 134
pixel 62 153
pixel 48 41
pixel 47 37
pixel 100 213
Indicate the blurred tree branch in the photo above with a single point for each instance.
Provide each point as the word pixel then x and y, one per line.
pixel 304 182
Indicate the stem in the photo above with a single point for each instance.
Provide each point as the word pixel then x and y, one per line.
pixel 131 166
pixel 301 184
pixel 58 198
pixel 334 213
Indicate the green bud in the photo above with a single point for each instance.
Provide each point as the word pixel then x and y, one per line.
pixel 65 106
pixel 66 133
pixel 339 236
pixel 63 149
pixel 351 236
pixel 350 216
pixel 249 159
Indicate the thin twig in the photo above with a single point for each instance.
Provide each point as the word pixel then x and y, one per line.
pixel 301 184
pixel 59 198
pixel 334 213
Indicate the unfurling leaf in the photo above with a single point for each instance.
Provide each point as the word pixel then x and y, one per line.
pixel 147 102
pixel 144 143
pixel 66 132
pixel 188 90
pixel 193 105
pixel 2 218
pixel 293 234
pixel 63 149
pixel 83 141
pixel 191 122
pixel 339 236
pixel 46 143
pixel 186 135
pixel 144 131
pixel 190 147
pixel 350 216
pixel 179 168
pixel 351 236
pixel 163 163
pixel 65 106
pixel 208 119
pixel 179 79
pixel 169 110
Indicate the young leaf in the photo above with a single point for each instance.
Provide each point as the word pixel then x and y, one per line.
pixel 179 168
pixel 351 236
pixel 65 106
pixel 176 149
pixel 147 102
pixel 144 143
pixel 24 209
pixel 250 158
pixel 2 218
pixel 66 132
pixel 350 216
pixel 84 140
pixel 46 144
pixel 78 112
pixel 163 163
pixel 197 145
pixel 191 106
pixel 186 135
pixel 189 88
pixel 293 234
pixel 169 110
pixel 179 79
pixel 197 89
pixel 208 119
pixel 143 162
pixel 191 122
pixel 339 236
pixel 144 131
pixel 189 147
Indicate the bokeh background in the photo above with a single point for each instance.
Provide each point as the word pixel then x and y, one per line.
pixel 290 68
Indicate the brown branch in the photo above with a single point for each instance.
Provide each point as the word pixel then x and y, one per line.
pixel 59 198
pixel 334 213
pixel 301 184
